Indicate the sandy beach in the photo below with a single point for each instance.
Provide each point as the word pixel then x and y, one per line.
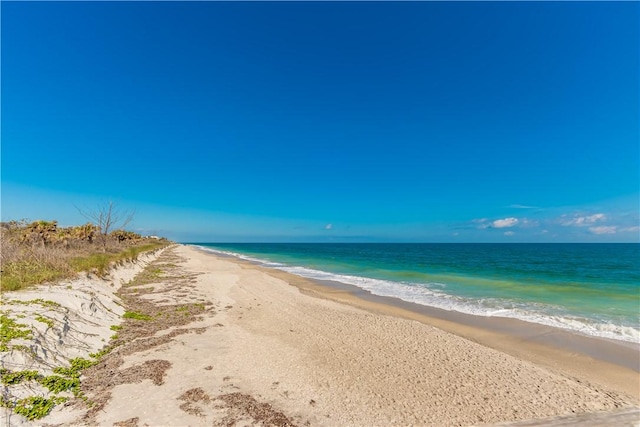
pixel 230 343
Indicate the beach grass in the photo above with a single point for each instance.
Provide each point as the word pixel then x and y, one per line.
pixel 100 262
pixel 21 274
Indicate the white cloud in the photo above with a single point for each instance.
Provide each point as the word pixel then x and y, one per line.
pixel 603 229
pixel 482 223
pixel 581 221
pixel 509 233
pixel 328 226
pixel 630 229
pixel 504 223
pixel 517 206
pixel 593 218
pixel 528 223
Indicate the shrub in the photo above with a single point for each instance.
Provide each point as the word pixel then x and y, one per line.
pixel 40 252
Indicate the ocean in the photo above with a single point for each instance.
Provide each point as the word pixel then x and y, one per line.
pixel 592 289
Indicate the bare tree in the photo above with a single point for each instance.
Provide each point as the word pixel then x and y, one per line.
pixel 107 216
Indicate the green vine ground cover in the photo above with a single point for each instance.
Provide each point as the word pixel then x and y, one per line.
pixel 65 379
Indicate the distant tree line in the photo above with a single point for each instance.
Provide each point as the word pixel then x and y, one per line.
pixel 106 227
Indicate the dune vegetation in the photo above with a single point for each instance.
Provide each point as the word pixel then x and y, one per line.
pixel 41 251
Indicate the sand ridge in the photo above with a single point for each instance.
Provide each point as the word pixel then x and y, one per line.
pixel 67 320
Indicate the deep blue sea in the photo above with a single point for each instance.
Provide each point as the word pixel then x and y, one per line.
pixel 593 289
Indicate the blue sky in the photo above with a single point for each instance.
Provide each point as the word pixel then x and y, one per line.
pixel 415 121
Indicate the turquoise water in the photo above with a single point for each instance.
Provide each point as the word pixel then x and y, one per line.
pixel 589 288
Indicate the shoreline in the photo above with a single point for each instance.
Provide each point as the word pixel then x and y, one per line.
pixel 611 363
pixel 213 340
pixel 596 324
pixel 618 352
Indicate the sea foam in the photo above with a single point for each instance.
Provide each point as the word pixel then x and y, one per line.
pixel 434 295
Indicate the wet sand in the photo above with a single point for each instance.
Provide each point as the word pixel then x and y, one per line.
pixel 617 362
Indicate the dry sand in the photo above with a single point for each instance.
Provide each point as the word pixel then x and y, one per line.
pixel 234 344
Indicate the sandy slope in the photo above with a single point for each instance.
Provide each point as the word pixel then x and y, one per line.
pixel 68 319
